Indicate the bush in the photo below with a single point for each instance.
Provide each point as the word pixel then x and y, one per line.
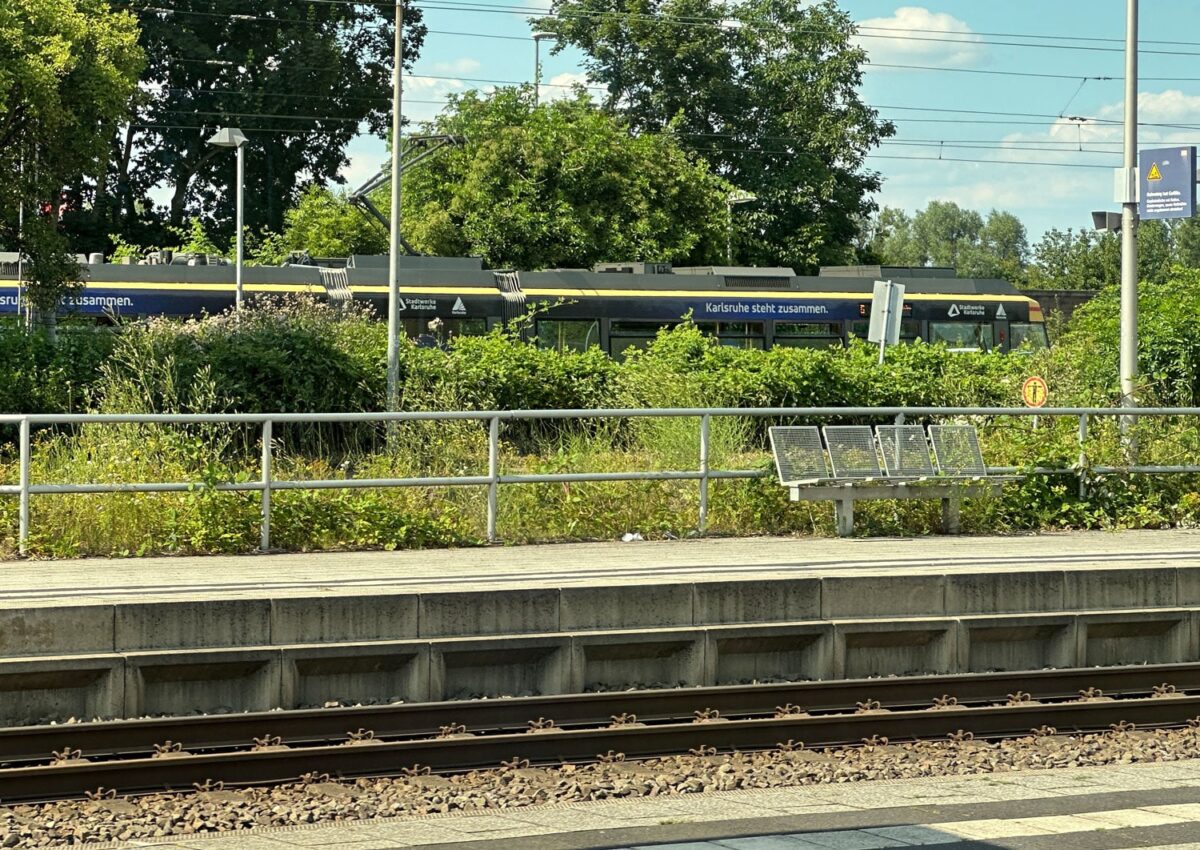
pixel 38 375
pixel 307 356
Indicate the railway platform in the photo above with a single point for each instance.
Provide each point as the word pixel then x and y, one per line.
pixel 157 636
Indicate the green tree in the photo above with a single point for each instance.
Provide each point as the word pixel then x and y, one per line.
pixel 945 234
pixel 67 71
pixel 1187 243
pixel 326 224
pixel 1005 245
pixel 53 272
pixel 298 79
pixel 1092 260
pixel 1064 259
pixel 891 239
pixel 1156 250
pixel 765 90
pixel 564 184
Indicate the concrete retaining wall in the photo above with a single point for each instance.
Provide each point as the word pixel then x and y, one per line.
pixel 213 624
pixel 306 675
pixel 139 658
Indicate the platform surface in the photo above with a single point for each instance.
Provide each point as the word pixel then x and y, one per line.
pixel 1104 808
pixel 101 580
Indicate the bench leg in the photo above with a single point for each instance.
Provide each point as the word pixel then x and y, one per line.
pixel 951 511
pixel 843 511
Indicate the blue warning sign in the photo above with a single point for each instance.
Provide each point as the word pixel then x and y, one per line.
pixel 1167 183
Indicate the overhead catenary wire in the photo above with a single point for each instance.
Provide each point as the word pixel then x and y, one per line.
pixel 473 5
pixel 966 144
pixel 446 5
pixel 869 154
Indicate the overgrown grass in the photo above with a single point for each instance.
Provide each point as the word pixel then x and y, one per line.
pixel 205 521
pixel 305 356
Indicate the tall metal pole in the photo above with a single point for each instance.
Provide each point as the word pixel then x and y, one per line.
pixel 537 71
pixel 21 242
pixel 728 232
pixel 241 183
pixel 1129 219
pixel 393 332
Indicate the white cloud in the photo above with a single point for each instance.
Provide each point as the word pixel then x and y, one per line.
pixel 1043 196
pixel 464 65
pixel 366 154
pixel 906 38
pixel 426 94
pixel 561 86
pixel 1063 137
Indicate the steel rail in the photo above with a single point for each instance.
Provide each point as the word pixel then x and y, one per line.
pixel 22 744
pixel 183 771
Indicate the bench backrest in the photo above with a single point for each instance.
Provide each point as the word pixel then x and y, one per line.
pixel 956 449
pixel 852 451
pixel 799 455
pixel 905 451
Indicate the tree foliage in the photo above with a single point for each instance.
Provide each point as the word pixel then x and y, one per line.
pixel 1091 260
pixel 945 234
pixel 298 79
pixel 765 90
pixel 564 184
pixel 325 224
pixel 67 70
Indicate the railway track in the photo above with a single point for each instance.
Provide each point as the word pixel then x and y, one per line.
pixel 139 756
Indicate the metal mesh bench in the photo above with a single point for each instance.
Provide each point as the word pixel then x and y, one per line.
pixel 849 463
pixel 799 455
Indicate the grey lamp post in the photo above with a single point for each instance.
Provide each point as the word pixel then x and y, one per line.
pixel 538 38
pixel 231 137
pixel 732 200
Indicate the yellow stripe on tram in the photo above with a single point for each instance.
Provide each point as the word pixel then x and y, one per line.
pixel 724 294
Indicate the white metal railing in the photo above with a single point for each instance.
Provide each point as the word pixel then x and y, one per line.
pixel 25 489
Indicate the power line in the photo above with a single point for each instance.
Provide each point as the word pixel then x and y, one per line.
pixel 447 5
pixel 980 71
pixel 252 93
pixel 960 115
pixel 471 5
pixel 987 71
pixel 989 161
pixel 869 155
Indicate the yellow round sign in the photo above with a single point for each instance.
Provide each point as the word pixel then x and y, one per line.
pixel 1034 392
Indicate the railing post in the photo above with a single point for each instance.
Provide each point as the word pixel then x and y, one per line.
pixel 493 476
pixel 705 426
pixel 1083 433
pixel 23 511
pixel 265 521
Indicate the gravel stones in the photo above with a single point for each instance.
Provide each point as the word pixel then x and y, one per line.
pixel 318 798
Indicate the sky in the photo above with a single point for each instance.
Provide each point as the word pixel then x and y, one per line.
pixel 1019 106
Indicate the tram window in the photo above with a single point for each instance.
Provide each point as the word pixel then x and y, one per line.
pixel 568 335
pixel 464 327
pixel 735 334
pixel 1024 333
pixel 962 336
pixel 431 331
pixel 808 329
pixel 623 336
pixel 910 331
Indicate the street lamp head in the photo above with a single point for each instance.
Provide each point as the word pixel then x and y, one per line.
pixel 230 137
pixel 1106 221
pixel 740 197
pixel 542 36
